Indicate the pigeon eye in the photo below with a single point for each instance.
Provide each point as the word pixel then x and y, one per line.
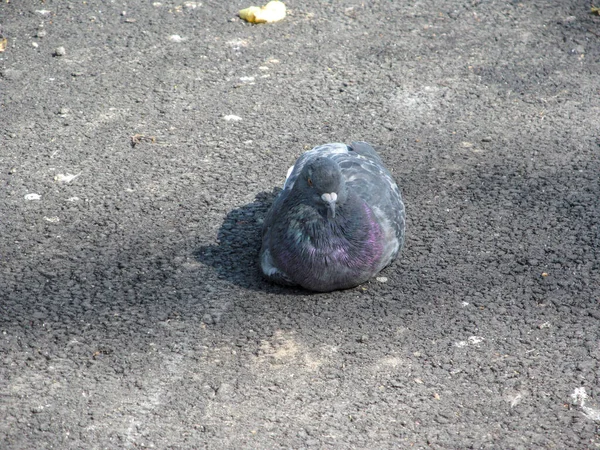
pixel 309 181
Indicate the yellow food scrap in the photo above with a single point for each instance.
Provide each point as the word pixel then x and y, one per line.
pixel 271 12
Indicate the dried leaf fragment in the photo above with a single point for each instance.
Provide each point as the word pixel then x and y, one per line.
pixel 273 11
pixel 3 44
pixel 139 138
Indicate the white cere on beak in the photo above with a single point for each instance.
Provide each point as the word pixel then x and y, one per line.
pixel 329 197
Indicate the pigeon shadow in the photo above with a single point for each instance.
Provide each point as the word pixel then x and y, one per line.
pixel 235 256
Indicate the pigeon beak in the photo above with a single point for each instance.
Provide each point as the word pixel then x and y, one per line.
pixel 331 211
pixel 330 199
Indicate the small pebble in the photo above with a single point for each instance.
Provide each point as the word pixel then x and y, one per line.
pixel 65 178
pixel 486 139
pixel 10 74
pixel 175 38
pixel 40 33
pixel 191 5
pixel 208 319
pixel 34 45
pixel 232 117
pixel 33 197
pixel 474 340
pixel 225 391
pixel 59 51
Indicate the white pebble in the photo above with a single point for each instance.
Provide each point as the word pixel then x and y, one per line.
pixel 232 117
pixel 33 197
pixel 579 395
pixel 474 340
pixel 191 5
pixel 382 279
pixel 175 38
pixel 52 219
pixel 62 178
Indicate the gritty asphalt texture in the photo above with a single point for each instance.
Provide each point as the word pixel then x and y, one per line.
pixel 132 312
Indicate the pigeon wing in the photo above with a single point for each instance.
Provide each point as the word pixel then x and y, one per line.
pixel 366 175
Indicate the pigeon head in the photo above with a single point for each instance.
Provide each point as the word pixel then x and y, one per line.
pixel 323 182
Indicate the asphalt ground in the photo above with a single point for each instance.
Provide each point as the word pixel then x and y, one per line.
pixel 140 147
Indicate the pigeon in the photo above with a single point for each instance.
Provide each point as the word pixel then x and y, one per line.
pixel 338 221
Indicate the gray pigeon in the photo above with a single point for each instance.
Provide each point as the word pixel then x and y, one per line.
pixel 337 222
